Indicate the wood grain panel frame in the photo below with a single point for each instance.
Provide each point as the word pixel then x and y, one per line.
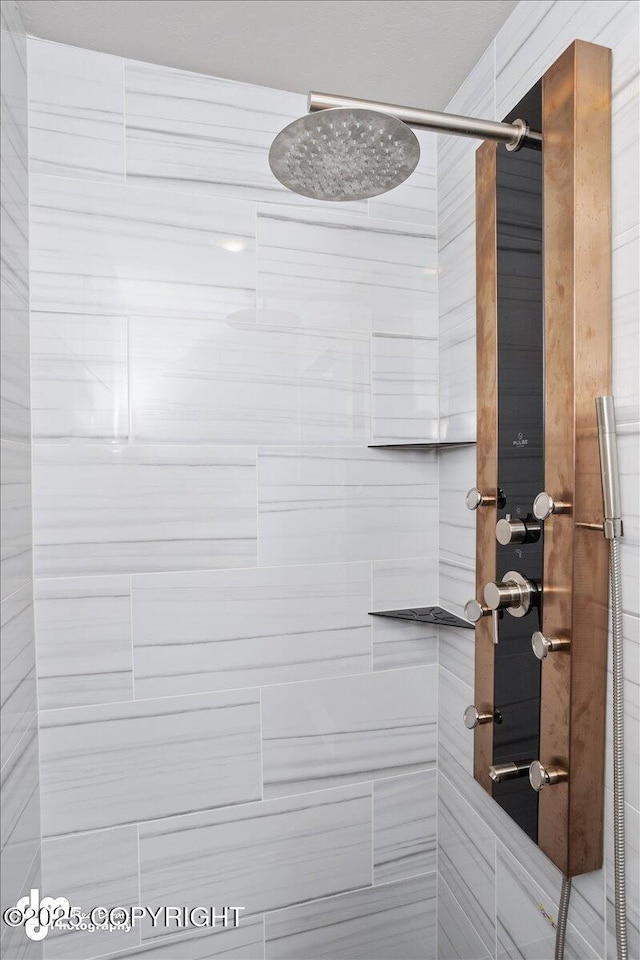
pixel 487 440
pixel 576 104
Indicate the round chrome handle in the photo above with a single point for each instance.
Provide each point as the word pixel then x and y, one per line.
pixel 475 499
pixel 517 531
pixel 474 611
pixel 514 594
pixel 544 505
pixel 541 776
pixel 473 718
pixel 542 646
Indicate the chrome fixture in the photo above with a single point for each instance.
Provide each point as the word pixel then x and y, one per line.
pixel 541 776
pixel 473 717
pixel 544 505
pixel 475 611
pixel 609 467
pixel 514 594
pixel 517 531
pixel 475 499
pixel 508 771
pixel 355 149
pixel 542 646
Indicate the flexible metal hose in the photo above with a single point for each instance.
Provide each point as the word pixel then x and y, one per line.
pixel 618 750
pixel 563 910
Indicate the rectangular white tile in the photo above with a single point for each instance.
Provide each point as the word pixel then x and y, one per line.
pixel 125 509
pixel 18 677
pixel 112 250
pixel 204 381
pixel 457 937
pixel 93 869
pixel 244 942
pixel 227 629
pixel 457 525
pixel 79 377
pixel 457 585
pixel 456 652
pixel 329 732
pixel 404 826
pixel 466 854
pixel 14 380
pixel 398 584
pixel 20 825
pixel 394 920
pixel 526 916
pixel 76 112
pixel 415 200
pixel 110 765
pixel 20 872
pixel 84 641
pixel 455 742
pixel 339 271
pixel 343 503
pixel 201 134
pixel 262 856
pixel 404 389
pixel 457 155
pixel 632 849
pixel 626 330
pixel 15 506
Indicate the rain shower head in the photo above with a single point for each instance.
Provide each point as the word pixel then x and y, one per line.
pixel 350 149
pixel 344 154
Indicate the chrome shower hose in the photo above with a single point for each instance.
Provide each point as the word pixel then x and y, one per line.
pixel 615 569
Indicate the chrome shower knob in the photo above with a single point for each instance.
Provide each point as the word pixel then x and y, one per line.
pixel 475 611
pixel 508 771
pixel 542 646
pixel 509 530
pixel 475 499
pixel 544 505
pixel 474 718
pixel 514 594
pixel 541 776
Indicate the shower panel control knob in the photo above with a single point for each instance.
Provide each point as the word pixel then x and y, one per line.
pixel 514 594
pixel 544 505
pixel 508 771
pixel 475 499
pixel 475 611
pixel 542 646
pixel 517 531
pixel 474 718
pixel 541 776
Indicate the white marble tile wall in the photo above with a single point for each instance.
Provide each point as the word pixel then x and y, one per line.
pixel 19 780
pixel 212 530
pixel 531 39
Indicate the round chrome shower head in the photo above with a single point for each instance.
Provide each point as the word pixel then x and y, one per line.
pixel 344 154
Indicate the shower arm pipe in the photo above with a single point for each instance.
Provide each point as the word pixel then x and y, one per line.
pixel 513 135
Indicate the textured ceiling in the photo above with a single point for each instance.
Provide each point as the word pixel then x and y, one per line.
pixel 415 52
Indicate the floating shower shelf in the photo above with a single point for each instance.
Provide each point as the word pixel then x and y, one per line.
pixel 427 445
pixel 437 615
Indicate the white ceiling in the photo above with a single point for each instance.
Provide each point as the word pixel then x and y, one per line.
pixel 413 52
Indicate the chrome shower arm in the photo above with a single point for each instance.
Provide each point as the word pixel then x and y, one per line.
pixel 513 135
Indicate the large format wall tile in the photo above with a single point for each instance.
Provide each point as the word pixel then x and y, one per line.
pixel 121 509
pixel 261 856
pixel 457 584
pixel 84 641
pixel 395 920
pixel 79 377
pixel 404 826
pixel 105 766
pixel 525 912
pixel 324 270
pixel 201 134
pixel 18 677
pixel 244 942
pixel 457 938
pixel 219 630
pixel 108 249
pixel 404 389
pixel 466 855
pixel 327 732
pixel 91 870
pixel 626 335
pixel 20 873
pixel 457 524
pixel 396 585
pixel 343 503
pixel 455 742
pixel 15 504
pixel 76 103
pixel 201 381
pixel 20 797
